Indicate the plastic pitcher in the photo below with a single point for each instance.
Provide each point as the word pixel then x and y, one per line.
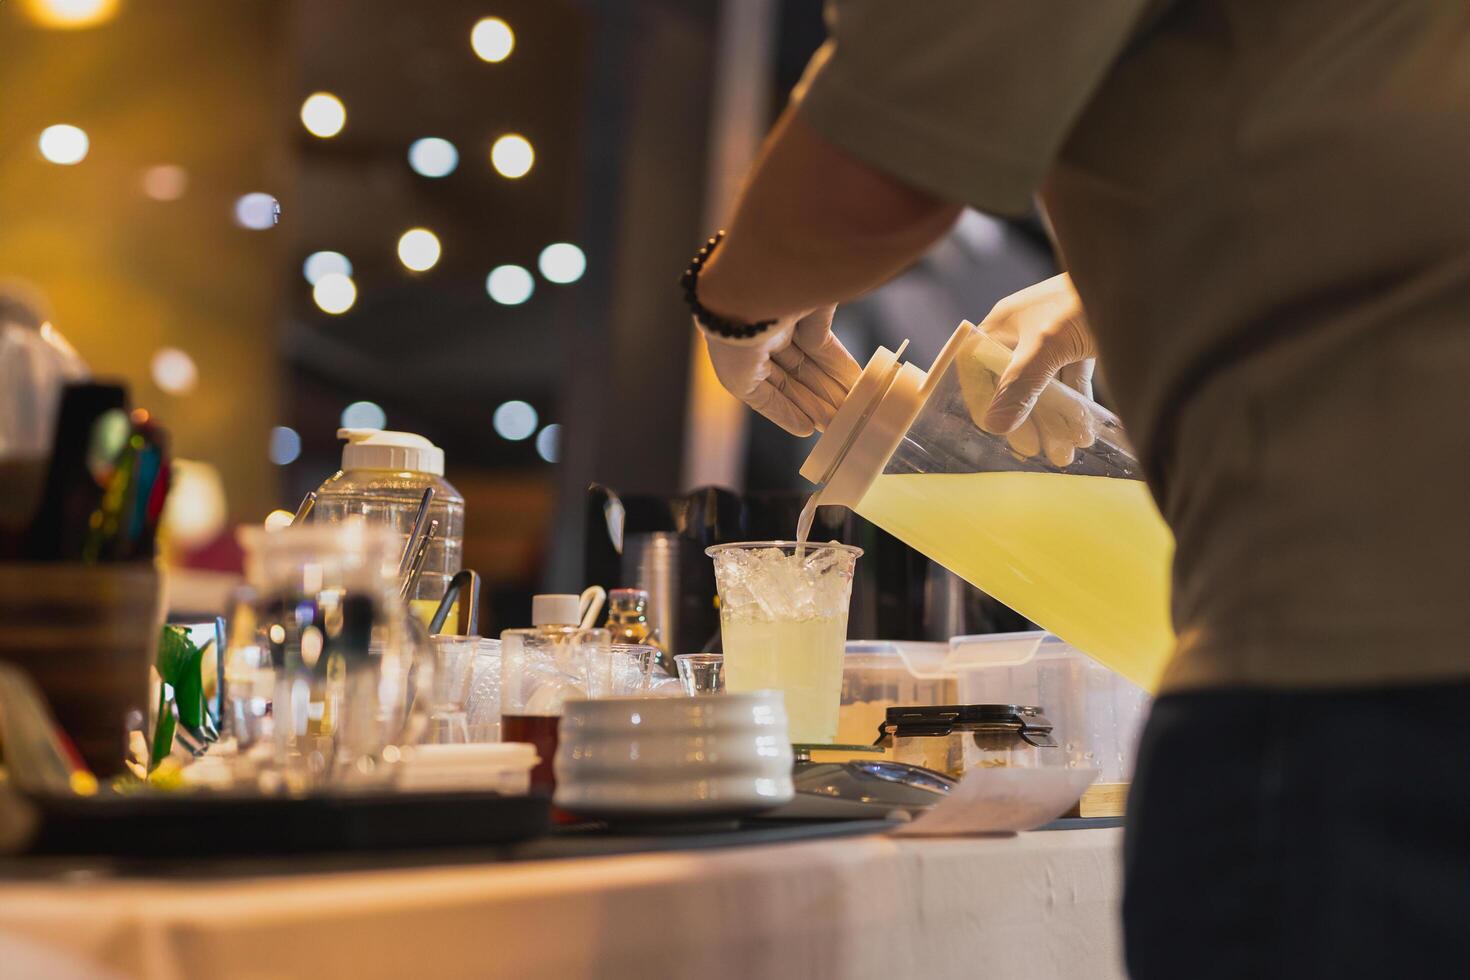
pixel 1068 537
pixel 383 478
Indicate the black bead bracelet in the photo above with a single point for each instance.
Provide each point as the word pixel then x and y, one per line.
pixel 711 321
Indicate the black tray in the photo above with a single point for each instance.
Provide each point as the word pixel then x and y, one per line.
pixel 215 825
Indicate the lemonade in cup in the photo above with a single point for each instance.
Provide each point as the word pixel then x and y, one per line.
pixel 783 625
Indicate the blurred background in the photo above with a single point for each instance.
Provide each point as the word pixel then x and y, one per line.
pixel 463 218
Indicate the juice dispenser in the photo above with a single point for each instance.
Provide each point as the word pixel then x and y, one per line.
pixel 1055 521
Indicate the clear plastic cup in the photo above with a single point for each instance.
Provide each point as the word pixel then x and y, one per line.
pixel 453 666
pixel 783 626
pixel 539 670
pixel 482 704
pixel 701 673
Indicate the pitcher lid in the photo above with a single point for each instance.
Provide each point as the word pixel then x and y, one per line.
pixel 871 422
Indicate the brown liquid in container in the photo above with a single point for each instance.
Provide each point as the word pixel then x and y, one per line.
pixel 540 731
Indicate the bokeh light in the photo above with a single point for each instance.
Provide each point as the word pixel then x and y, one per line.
pixel 194 513
pixel 174 371
pixel 334 293
pixel 364 415
pixel 562 262
pixel 319 264
pixel 548 443
pixel 165 182
pixel 433 157
pixel 64 144
pixel 257 211
pixel 510 284
pixel 492 39
pixel 323 114
pixel 512 155
pixel 70 14
pixel 285 445
pixel 418 249
pixel 278 519
pixel 515 420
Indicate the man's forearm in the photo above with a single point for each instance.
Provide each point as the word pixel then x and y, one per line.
pixel 815 226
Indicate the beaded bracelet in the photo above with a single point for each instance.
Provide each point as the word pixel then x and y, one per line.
pixel 711 321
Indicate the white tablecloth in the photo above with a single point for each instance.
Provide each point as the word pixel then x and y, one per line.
pixel 1034 907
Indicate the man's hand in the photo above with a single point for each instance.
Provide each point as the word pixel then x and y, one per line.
pixel 796 373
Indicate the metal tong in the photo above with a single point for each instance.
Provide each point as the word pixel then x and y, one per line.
pixel 464 578
pixel 415 561
pixel 417 532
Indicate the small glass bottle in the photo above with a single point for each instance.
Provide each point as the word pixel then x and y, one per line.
pixel 627 621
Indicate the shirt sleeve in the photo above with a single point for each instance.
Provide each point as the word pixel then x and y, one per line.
pixel 967 99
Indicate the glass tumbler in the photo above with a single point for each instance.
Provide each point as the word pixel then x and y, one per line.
pixel 701 673
pixel 319 678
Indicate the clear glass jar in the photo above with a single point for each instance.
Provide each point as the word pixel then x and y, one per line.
pixel 319 677
pixel 954 739
pixel 1053 520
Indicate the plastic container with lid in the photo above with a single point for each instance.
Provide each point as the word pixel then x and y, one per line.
pixel 383 478
pixel 1061 529
pixel 956 738
pixel 1097 715
pixel 876 676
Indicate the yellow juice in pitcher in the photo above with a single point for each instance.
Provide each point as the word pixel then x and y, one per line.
pixel 1085 557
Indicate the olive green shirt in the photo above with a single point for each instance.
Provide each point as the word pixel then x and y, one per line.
pixel 1265 207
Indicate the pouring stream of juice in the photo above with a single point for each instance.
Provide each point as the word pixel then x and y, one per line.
pixel 804 520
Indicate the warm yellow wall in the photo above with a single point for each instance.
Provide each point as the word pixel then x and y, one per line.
pixel 191 82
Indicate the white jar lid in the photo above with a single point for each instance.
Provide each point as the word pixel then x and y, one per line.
pixel 556 610
pixel 384 449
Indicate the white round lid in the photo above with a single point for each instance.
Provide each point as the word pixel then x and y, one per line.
pixel 866 429
pixel 556 610
pixel 384 449
pixel 870 424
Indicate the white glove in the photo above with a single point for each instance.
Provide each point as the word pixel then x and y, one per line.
pixel 796 373
pixel 1045 329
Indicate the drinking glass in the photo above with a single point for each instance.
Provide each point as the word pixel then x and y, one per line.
pixel 342 728
pixel 319 676
pixel 783 626
pixel 453 665
pixel 701 673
